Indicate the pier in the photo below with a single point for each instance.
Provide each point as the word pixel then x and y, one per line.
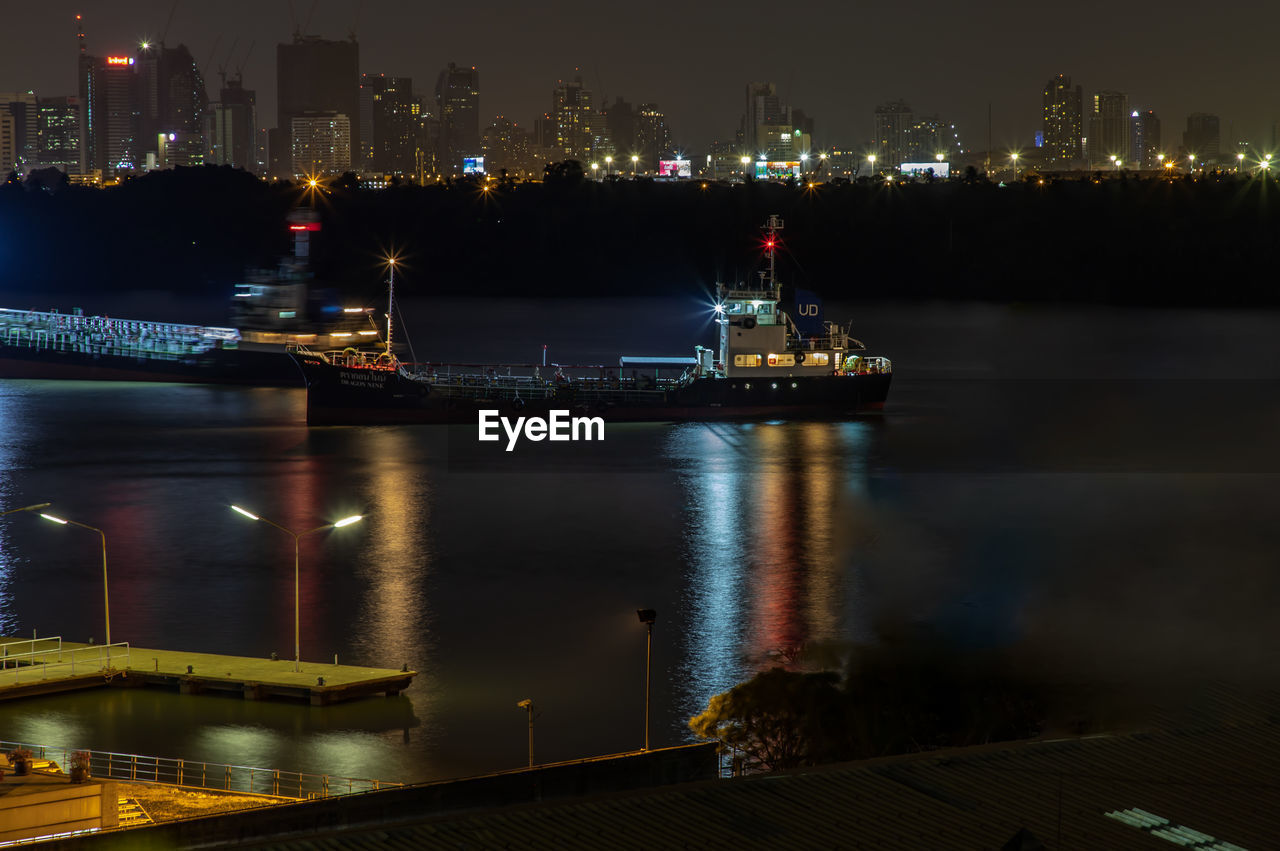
pixel 39 666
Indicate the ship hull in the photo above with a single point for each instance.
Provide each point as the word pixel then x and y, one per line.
pixel 260 368
pixel 338 395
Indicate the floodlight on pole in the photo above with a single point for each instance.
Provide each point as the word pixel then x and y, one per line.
pixel 106 603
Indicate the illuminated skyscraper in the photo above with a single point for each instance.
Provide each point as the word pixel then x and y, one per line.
pixel 19 110
pixel 1109 129
pixel 316 76
pixel 1062 124
pixel 458 108
pixel 320 144
pixel 58 141
pixel 654 137
pixel 893 133
pixel 171 101
pixel 1145 139
pixel 572 113
pixel 392 115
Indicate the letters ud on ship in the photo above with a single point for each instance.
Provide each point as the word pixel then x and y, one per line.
pixel 771 362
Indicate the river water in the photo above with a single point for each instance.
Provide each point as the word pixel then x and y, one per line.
pixel 1092 483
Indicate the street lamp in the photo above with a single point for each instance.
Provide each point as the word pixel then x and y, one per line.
pixel 1239 163
pixel 106 605
pixel 608 164
pixel 594 168
pixel 1191 158
pixel 647 617
pixel 635 161
pixel 35 507
pixel 527 704
pixel 297 536
pixel 1014 157
pixel 871 158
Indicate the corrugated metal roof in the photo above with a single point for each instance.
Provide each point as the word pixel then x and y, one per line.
pixel 1221 781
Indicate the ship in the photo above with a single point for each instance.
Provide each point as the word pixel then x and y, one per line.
pixel 769 364
pixel 271 310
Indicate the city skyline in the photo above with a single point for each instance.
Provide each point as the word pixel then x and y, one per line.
pixel 825 70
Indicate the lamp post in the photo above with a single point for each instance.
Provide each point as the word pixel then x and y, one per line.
pixel 297 536
pixel 1239 163
pixel 647 617
pixel 1014 157
pixel 1191 158
pixel 35 507
pixel 527 704
pixel 106 604
pixel 635 162
pixel 608 164
pixel 871 158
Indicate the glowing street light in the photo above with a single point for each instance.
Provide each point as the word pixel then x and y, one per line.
pixel 871 158
pixel 608 164
pixel 106 605
pixel 1239 163
pixel 1191 158
pixel 527 705
pixel 647 617
pixel 595 167
pixel 938 157
pixel 635 161
pixel 1014 157
pixel 297 536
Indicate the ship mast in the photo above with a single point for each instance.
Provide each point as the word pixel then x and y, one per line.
pixel 391 303
pixel 770 243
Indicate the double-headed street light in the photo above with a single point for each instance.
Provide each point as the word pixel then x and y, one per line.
pixel 297 536
pixel 106 606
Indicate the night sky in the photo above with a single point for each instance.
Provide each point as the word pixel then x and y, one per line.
pixel 835 60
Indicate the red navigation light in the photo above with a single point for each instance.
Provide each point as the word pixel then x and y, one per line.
pixel 310 226
pixel 769 244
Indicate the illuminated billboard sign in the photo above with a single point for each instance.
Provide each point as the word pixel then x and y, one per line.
pixel 119 60
pixel 777 168
pixel 473 165
pixel 938 169
pixel 675 168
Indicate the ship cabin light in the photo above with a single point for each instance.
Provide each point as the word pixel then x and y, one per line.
pixel 367 333
pixel 353 310
pixel 340 334
pixel 817 358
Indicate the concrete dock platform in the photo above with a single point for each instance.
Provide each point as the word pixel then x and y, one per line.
pixel 33 667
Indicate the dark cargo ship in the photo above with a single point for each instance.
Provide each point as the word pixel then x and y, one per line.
pixel 273 311
pixel 767 366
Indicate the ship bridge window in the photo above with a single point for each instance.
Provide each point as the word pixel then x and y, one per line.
pixel 747 360
pixel 764 309
pixel 782 360
pixel 734 307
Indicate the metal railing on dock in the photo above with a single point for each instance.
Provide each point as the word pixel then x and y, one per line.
pixel 136 768
pixel 47 655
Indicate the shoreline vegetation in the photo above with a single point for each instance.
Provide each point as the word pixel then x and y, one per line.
pixel 1203 241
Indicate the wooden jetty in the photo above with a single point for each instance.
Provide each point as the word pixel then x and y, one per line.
pixel 37 666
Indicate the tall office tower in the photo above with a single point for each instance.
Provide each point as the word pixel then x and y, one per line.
pixel 802 132
pixel 654 137
pixel 506 146
pixel 22 111
pixel 767 124
pixel 109 100
pixel 8 144
pixel 320 144
pixel 426 139
pixel 1063 124
pixel 458 106
pixel 234 119
pixel 171 101
pixel 893 133
pixel 58 141
pixel 621 121
pixel 927 136
pixel 1109 129
pixel 393 116
pixel 571 113
pixel 316 76
pixel 1144 136
pixel 1201 137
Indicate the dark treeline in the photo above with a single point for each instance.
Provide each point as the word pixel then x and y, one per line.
pixel 1208 241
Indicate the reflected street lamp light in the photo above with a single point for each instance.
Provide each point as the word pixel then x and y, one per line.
pixel 647 617
pixel 527 704
pixel 297 536
pixel 106 605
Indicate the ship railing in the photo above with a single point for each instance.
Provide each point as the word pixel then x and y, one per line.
pixel 197 774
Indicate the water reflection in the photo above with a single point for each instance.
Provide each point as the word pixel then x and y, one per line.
pixel 769 571
pixel 12 430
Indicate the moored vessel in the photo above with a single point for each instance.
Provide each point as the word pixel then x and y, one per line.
pixel 769 364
